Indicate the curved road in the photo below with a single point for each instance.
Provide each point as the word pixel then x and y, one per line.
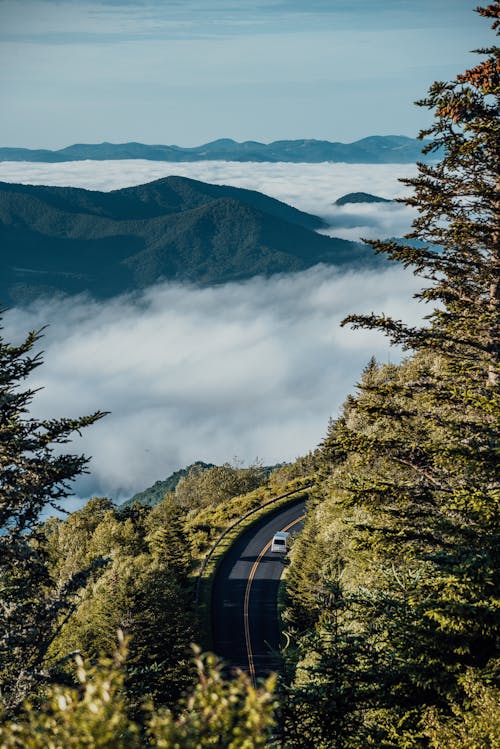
pixel 252 642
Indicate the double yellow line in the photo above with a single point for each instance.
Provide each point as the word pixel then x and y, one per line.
pixel 248 642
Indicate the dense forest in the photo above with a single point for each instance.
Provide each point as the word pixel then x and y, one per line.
pixel 391 593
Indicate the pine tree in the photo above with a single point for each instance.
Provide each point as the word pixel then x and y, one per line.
pixel 458 202
pixel 409 471
pixel 34 477
pixel 337 676
pixel 167 537
pixel 446 417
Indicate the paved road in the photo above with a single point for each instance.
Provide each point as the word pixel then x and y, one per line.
pixel 228 598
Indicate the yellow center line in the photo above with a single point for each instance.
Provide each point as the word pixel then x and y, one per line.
pixel 251 667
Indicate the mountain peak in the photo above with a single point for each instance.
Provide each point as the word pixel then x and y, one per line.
pixel 71 240
pixel 360 197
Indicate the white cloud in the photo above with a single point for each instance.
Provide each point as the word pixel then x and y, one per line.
pixel 253 369
pixel 368 220
pixel 245 370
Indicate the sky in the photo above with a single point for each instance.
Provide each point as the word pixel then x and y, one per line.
pixel 185 72
pixel 240 371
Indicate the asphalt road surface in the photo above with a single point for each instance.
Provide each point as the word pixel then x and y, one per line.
pixel 245 624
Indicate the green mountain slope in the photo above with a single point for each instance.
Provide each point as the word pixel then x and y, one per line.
pixel 155 493
pixel 151 200
pixel 69 240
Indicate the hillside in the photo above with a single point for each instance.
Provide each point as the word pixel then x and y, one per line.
pixel 70 240
pixel 383 149
pixel 214 483
pixel 154 494
pixel 360 197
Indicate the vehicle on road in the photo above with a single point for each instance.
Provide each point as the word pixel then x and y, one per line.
pixel 280 542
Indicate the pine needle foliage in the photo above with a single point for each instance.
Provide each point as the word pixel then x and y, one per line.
pixel 35 476
pixel 408 496
pixel 226 714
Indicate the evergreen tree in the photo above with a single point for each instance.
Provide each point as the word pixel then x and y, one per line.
pixel 337 675
pixel 445 423
pixel 458 202
pixel 409 472
pixel 145 591
pixel 230 714
pixel 34 477
pixel 168 539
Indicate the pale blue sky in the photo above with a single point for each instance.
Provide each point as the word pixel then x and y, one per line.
pixel 189 71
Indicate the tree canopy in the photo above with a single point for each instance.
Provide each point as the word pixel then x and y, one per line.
pixel 394 586
pixel 35 476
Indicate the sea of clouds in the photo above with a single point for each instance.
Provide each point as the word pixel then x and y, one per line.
pixel 249 370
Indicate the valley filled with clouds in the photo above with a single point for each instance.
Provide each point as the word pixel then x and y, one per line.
pixel 247 370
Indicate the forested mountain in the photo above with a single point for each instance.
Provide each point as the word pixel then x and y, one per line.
pixel 154 494
pixel 72 240
pixel 202 482
pixel 377 149
pixel 360 197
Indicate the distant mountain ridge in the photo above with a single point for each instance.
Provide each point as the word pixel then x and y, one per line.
pixel 375 149
pixel 71 240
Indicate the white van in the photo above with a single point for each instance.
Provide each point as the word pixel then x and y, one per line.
pixel 280 542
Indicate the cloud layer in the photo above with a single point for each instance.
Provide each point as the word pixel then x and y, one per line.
pixel 242 370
